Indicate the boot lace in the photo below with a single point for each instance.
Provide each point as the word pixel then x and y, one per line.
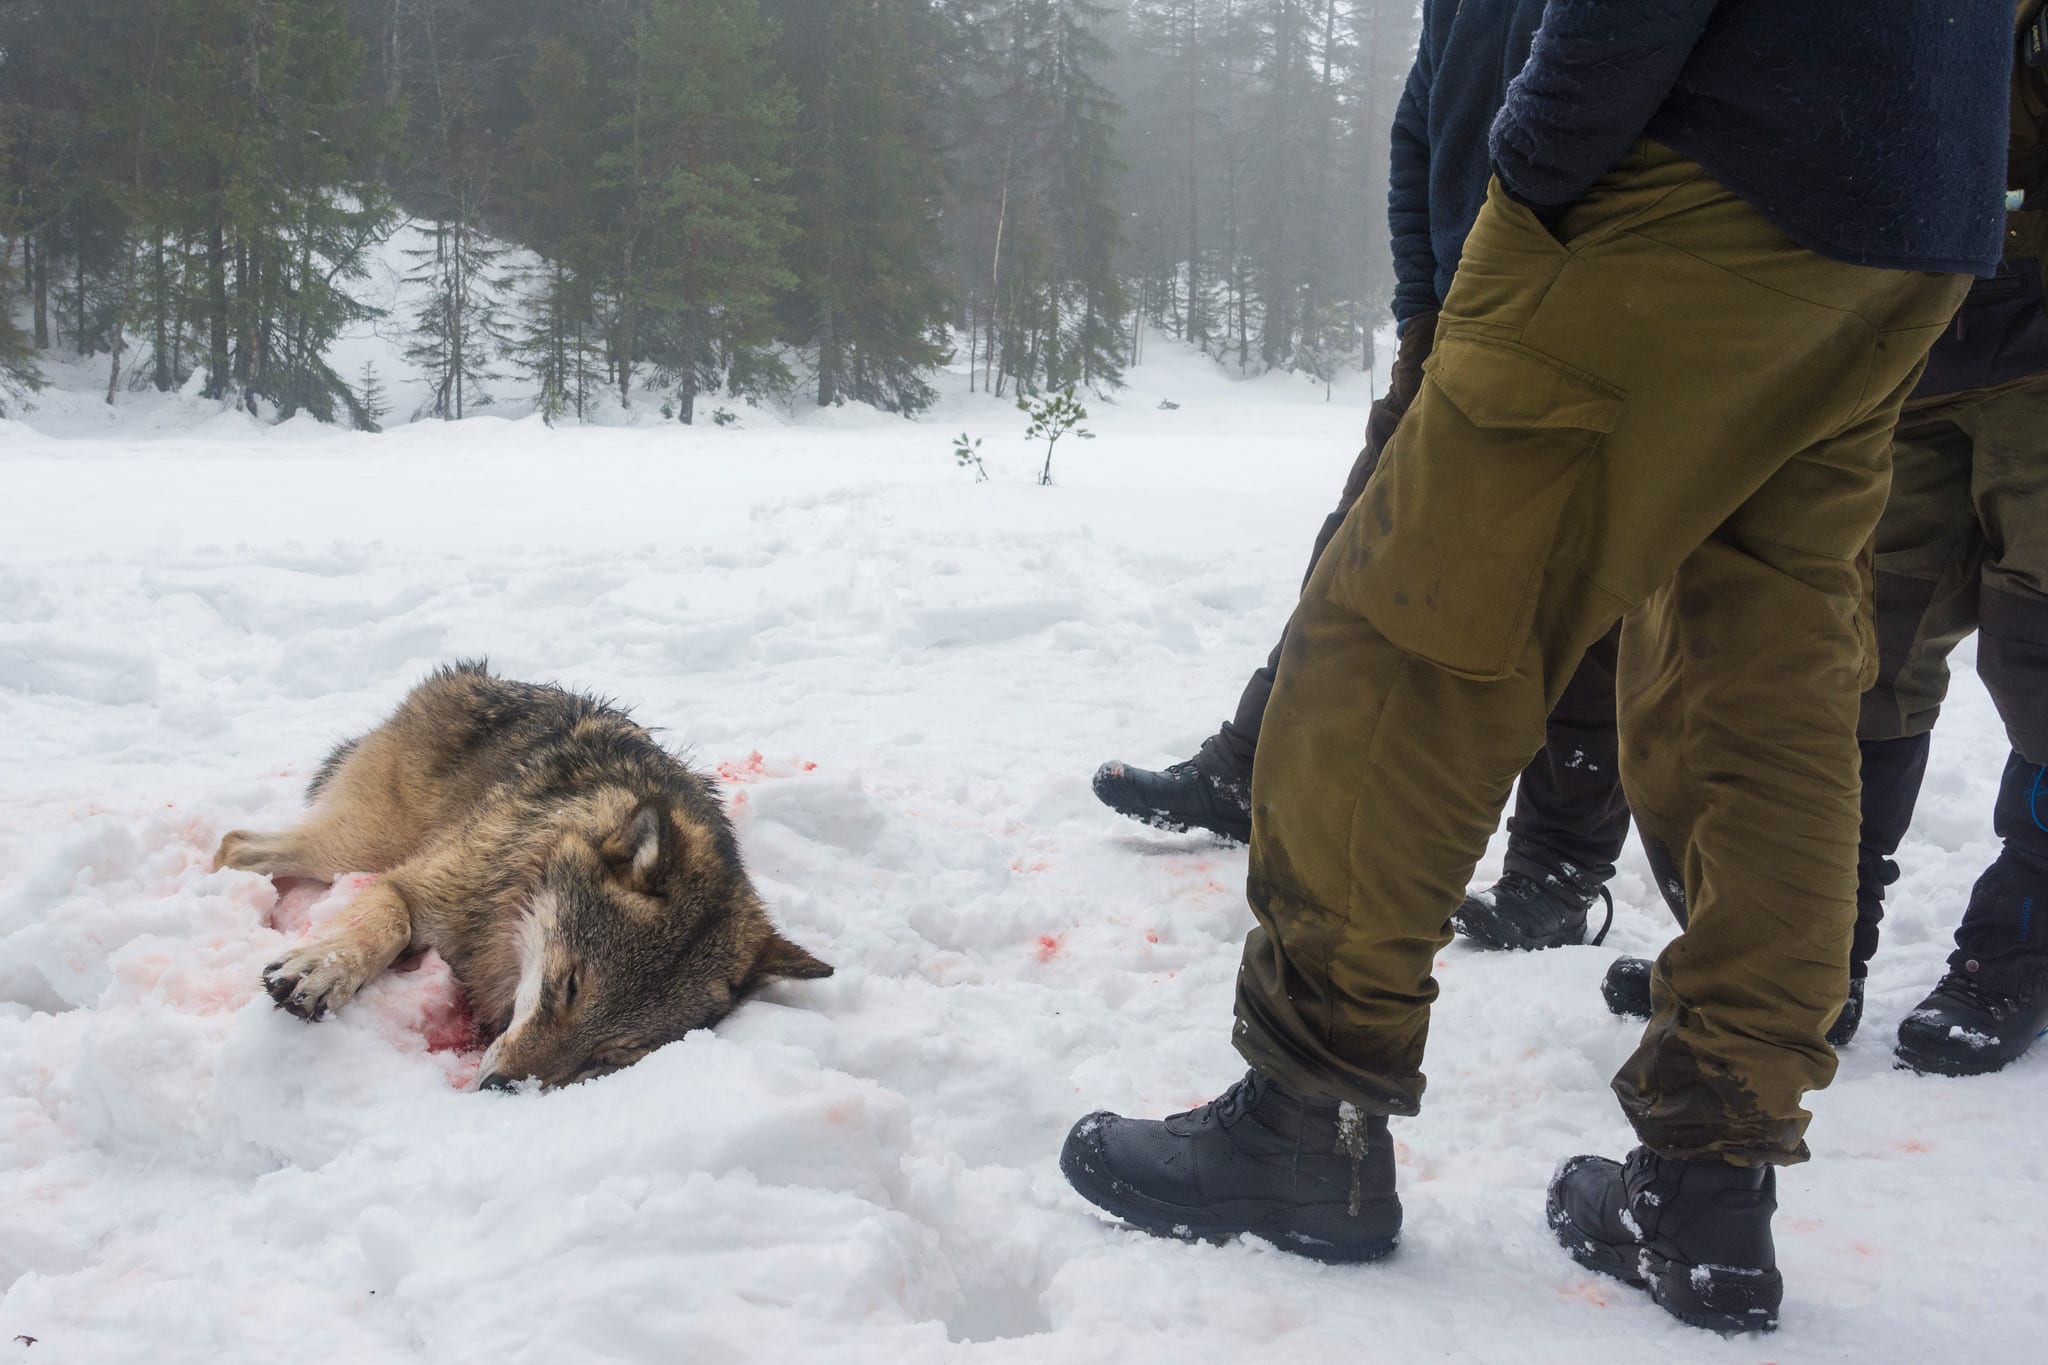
pixel 1607 923
pixel 1230 1106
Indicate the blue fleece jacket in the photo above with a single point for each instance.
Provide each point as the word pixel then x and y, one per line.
pixel 1872 133
pixel 1438 171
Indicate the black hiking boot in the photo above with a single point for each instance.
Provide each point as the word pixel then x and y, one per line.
pixel 1696 1234
pixel 1530 912
pixel 1966 1027
pixel 1626 989
pixel 1310 1176
pixel 1194 794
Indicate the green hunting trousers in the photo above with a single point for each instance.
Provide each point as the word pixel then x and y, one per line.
pixel 1663 408
pixel 1964 544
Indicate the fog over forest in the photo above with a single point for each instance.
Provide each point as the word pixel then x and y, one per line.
pixel 813 200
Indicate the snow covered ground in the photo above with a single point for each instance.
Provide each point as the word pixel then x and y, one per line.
pixel 907 679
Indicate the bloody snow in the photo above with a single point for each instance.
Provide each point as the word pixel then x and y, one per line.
pixel 905 679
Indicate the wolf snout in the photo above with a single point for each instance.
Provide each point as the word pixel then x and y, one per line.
pixel 497 1080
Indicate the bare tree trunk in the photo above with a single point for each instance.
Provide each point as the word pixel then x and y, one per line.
pixel 218 380
pixel 458 314
pixel 119 339
pixel 693 340
pixel 995 264
pixel 973 340
pixel 828 357
pixel 39 290
pixel 1197 324
pixel 160 374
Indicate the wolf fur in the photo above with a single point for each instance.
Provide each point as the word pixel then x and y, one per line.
pixel 582 882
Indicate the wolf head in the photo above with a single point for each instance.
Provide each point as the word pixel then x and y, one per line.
pixel 643 927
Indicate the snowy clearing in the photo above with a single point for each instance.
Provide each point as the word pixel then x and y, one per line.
pixel 906 680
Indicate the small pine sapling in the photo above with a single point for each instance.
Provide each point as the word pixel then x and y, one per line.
pixel 967 454
pixel 371 404
pixel 1051 418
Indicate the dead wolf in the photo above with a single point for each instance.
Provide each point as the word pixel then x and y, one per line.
pixel 582 882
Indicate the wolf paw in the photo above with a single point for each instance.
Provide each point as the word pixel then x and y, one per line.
pixel 234 850
pixel 271 855
pixel 315 979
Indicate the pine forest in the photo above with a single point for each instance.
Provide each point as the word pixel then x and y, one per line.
pixel 664 201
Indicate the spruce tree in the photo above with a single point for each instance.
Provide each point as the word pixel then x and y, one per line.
pixel 869 301
pixel 706 122
pixel 1039 234
pixel 1087 333
pixel 555 187
pixel 372 401
pixel 18 371
pixel 456 326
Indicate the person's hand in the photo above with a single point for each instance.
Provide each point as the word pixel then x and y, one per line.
pixel 1418 334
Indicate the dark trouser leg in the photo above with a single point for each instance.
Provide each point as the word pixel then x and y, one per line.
pixel 2005 928
pixel 1570 815
pixel 2003 939
pixel 1929 553
pixel 2009 488
pixel 1892 773
pixel 1963 545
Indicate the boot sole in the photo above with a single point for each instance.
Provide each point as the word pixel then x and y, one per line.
pixel 1725 1299
pixel 1174 825
pixel 1905 1057
pixel 1316 1231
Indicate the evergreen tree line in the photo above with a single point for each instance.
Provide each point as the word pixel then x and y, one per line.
pixel 825 197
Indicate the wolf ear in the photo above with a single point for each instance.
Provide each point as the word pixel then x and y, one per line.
pixel 635 847
pixel 781 958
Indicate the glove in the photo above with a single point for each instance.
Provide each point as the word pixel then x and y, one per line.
pixel 1418 334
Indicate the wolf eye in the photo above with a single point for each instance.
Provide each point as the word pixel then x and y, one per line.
pixel 569 990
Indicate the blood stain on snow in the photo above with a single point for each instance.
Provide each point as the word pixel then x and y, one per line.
pixel 1912 1146
pixel 1585 1291
pixel 1051 946
pixel 293 911
pixel 743 769
pixel 754 767
pixel 450 1027
pixel 424 1009
pixel 842 1111
pixel 1151 936
pixel 1022 868
pixel 1196 878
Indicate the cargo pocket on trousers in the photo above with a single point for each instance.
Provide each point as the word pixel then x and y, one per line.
pixel 1446 550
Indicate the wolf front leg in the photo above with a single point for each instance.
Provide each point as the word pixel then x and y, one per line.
pixel 323 975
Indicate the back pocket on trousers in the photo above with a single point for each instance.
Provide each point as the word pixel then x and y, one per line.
pixel 1446 550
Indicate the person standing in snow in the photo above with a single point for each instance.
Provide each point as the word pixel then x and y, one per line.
pixel 1707 274
pixel 1962 547
pixel 1570 819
